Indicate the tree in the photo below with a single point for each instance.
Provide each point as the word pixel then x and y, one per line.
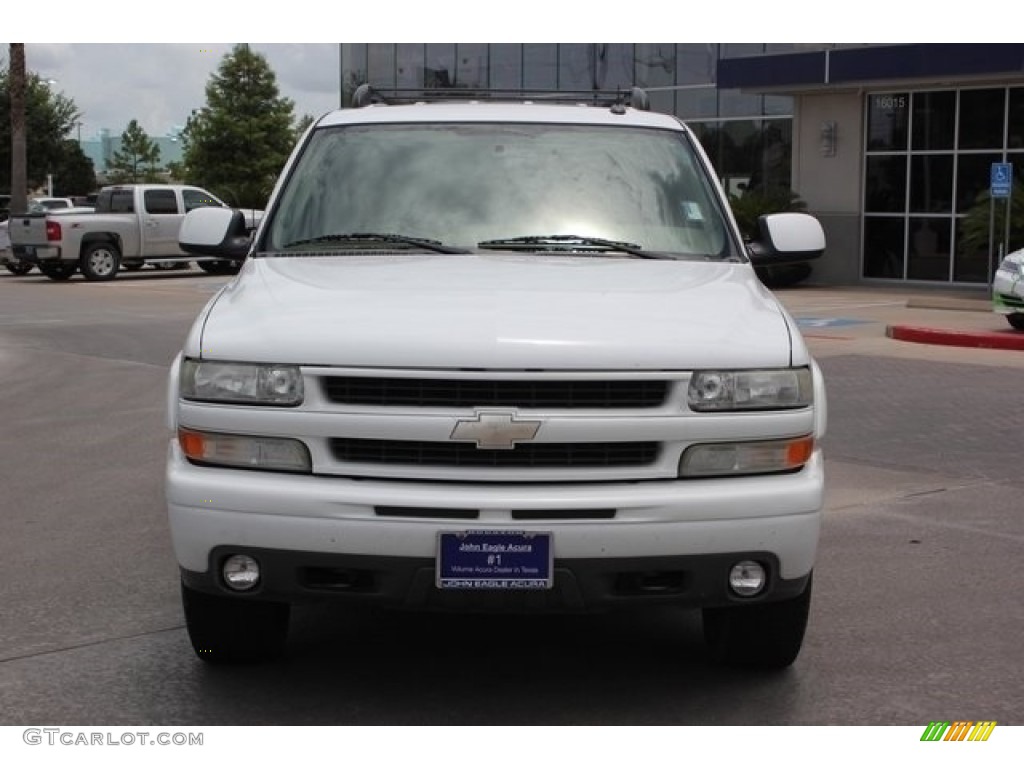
pixel 137 159
pixel 49 121
pixel 975 227
pixel 237 144
pixel 16 106
pixel 302 124
pixel 74 173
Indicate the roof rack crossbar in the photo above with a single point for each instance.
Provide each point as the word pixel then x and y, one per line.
pixel 367 94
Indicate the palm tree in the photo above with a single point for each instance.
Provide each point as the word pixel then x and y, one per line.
pixel 19 172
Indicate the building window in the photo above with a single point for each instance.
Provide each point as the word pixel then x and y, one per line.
pixel 506 66
pixel 926 179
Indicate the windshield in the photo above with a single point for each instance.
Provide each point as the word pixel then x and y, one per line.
pixel 466 184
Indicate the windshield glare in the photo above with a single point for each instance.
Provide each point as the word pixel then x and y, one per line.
pixel 462 184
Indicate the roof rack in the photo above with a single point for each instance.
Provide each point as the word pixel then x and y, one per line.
pixel 618 99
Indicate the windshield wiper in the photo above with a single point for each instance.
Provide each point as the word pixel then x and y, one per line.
pixel 565 242
pixel 379 237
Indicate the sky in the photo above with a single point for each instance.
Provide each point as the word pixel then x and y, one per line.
pixel 159 84
pixel 118 66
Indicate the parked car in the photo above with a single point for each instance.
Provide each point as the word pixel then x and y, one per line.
pixel 131 225
pixel 1008 289
pixel 496 355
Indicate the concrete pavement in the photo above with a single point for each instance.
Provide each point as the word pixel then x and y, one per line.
pixel 893 320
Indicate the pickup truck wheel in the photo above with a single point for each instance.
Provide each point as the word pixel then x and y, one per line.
pixel 768 635
pixel 212 267
pixel 100 261
pixel 1016 321
pixel 220 267
pixel 226 630
pixel 19 268
pixel 60 270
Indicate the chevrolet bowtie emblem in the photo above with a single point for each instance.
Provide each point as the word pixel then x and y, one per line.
pixel 495 430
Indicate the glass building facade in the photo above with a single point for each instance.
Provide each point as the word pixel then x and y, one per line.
pixel 926 179
pixel 748 136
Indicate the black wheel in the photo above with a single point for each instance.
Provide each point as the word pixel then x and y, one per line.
pixel 226 630
pixel 1017 321
pixel 18 267
pixel 767 635
pixel 100 261
pixel 59 270
pixel 212 267
pixel 220 267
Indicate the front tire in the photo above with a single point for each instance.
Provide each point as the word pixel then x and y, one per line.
pixel 59 270
pixel 101 261
pixel 1016 321
pixel 765 636
pixel 230 630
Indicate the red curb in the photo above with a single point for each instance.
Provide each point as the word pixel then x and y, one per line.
pixel 981 339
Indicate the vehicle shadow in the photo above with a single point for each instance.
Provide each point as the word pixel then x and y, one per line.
pixel 376 667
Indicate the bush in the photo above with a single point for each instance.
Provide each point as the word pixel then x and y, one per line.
pixel 757 202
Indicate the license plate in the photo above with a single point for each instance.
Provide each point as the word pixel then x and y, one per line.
pixel 494 560
pixel 30 250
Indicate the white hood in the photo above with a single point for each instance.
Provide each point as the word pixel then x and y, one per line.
pixel 510 311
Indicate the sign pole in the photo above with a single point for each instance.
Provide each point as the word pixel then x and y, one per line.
pixel 991 233
pixel 1006 239
pixel 1000 186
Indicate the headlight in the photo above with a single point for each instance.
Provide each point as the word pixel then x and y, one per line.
pixel 260 384
pixel 750 390
pixel 250 451
pixel 1013 266
pixel 754 458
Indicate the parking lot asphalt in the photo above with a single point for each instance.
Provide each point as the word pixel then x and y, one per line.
pixel 916 613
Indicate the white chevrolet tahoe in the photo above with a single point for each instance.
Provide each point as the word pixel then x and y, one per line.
pixel 496 355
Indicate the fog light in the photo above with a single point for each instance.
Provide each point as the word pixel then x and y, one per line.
pixel 747 578
pixel 241 572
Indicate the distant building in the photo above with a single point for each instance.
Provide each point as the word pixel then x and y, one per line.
pixel 101 149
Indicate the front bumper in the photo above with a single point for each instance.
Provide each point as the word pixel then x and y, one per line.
pixel 1008 293
pixel 580 584
pixel 668 540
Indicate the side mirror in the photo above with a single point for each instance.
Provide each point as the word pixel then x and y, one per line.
pixel 215 232
pixel 787 238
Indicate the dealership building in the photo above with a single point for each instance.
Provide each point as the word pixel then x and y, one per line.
pixel 894 148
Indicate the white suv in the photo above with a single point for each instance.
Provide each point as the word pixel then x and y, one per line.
pixel 497 356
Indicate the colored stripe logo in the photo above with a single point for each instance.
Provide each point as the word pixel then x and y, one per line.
pixel 959 730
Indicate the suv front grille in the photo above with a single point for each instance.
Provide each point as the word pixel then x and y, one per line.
pixel 453 454
pixel 472 393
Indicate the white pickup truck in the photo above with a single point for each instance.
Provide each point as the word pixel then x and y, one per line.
pixel 130 226
pixel 497 356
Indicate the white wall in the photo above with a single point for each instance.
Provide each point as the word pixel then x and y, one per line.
pixel 831 186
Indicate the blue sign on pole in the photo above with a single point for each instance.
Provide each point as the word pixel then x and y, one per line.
pixel 1001 179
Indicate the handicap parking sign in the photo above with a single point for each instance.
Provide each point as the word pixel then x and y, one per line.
pixel 1001 179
